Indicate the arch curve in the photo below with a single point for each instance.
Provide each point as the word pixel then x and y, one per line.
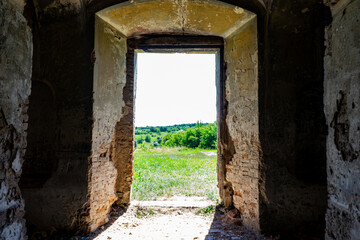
pixel 213 18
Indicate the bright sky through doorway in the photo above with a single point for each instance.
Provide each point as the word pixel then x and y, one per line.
pixel 175 88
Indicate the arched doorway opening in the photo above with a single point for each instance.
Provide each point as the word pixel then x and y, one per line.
pixel 118 31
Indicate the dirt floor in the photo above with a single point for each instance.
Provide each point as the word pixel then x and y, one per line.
pixel 144 221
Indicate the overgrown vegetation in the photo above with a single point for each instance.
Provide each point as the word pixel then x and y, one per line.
pixel 195 135
pixel 206 211
pixel 140 213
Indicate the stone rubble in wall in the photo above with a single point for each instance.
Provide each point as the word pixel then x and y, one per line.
pixel 12 224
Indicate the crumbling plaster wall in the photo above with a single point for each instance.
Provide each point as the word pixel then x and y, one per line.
pixel 241 93
pixel 342 109
pixel 15 74
pixel 109 84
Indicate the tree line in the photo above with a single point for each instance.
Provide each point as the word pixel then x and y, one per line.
pixel 195 135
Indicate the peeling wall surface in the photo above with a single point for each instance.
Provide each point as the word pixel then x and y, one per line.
pixel 342 109
pixel 109 83
pixel 242 170
pixel 15 74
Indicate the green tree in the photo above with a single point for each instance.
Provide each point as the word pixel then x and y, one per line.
pixel 192 142
pixel 208 137
pixel 177 138
pixel 166 138
pixel 192 137
pixel 147 138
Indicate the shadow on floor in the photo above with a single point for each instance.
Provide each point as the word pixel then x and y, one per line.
pixel 226 225
pixel 115 213
pixel 54 234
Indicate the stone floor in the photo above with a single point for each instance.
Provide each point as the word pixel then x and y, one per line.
pixel 172 220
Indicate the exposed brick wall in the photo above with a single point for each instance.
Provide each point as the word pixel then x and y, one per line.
pixel 15 74
pixel 123 142
pixel 101 187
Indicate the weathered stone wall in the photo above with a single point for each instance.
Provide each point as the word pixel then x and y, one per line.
pixel 342 109
pixel 242 171
pixel 15 74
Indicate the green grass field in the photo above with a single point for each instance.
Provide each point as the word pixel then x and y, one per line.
pixel 166 172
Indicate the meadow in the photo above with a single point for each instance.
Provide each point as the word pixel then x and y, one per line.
pixel 161 172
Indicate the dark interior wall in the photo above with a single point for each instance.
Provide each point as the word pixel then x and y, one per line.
pixel 293 129
pixel 40 160
pixel 56 176
pixel 54 184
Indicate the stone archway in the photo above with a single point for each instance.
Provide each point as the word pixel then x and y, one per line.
pixel 112 142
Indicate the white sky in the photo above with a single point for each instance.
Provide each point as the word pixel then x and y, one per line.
pixel 175 88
